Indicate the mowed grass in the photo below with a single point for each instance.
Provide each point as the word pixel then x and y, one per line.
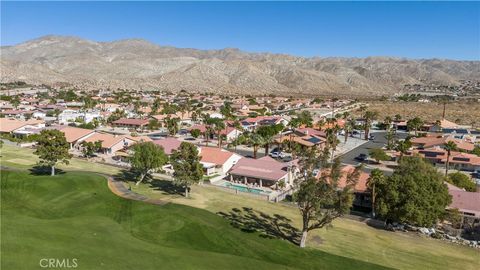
pixel 347 237
pixel 16 157
pixel 74 215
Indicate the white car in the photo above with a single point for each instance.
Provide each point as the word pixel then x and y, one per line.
pixel 277 154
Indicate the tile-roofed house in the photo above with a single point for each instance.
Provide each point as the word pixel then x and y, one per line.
pixel 362 198
pixel 431 141
pixel 251 123
pixel 311 131
pixel 217 160
pixel 111 143
pixel 229 132
pixel 75 135
pixel 263 172
pixel 20 114
pixel 306 137
pixel 169 144
pixel 466 202
pixel 427 142
pixel 458 160
pixel 131 123
pixel 10 125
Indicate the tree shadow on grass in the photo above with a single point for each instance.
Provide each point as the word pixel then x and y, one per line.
pixel 44 170
pixel 168 187
pixel 276 226
pixel 126 176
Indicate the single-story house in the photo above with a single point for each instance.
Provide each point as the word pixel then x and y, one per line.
pixel 458 160
pixel 11 125
pixel 362 199
pixel 230 133
pixel 217 160
pixel 468 203
pixel 111 143
pixel 131 123
pixel 431 141
pixel 264 172
pixel 168 144
pixel 75 135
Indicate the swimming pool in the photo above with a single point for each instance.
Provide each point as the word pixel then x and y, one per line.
pixel 245 189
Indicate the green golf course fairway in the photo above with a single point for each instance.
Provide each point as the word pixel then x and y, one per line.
pixel 75 216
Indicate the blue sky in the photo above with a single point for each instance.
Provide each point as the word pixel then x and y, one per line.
pixel 351 29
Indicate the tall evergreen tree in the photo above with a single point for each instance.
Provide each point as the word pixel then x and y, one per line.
pixel 186 164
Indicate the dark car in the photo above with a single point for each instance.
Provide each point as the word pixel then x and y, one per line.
pixel 361 157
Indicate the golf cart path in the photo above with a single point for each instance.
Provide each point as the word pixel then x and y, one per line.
pixel 118 188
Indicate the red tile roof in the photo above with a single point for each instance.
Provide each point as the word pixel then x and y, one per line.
pixel 168 144
pixel 215 155
pixel 73 134
pixel 131 121
pixel 465 201
pixel 108 140
pixel 361 185
pixel 263 168
pixel 9 125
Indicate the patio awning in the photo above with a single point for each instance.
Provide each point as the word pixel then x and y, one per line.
pixel 121 154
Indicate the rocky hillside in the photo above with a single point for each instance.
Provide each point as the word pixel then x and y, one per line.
pixel 139 64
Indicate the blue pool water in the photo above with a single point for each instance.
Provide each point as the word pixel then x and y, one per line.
pixel 245 189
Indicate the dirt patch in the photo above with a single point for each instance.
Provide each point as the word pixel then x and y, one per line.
pixel 317 240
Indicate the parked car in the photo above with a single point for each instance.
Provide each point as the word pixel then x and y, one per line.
pixel 354 132
pixel 361 157
pixel 371 137
pixel 277 154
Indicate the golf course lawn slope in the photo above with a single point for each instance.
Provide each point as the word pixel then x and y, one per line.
pixel 75 216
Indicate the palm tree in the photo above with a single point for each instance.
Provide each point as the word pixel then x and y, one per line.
pixel 333 105
pixel 320 123
pixel 293 124
pixel 449 147
pixel 256 140
pixel 376 177
pixel 218 126
pixel 415 124
pixel 346 127
pixel 369 116
pixel 390 136
pixel 388 122
pixel 362 109
pixel 208 128
pixel 403 146
pixel 332 140
pixel 350 125
pixel 238 126
pixel 172 125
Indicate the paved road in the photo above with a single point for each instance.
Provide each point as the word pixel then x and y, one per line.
pixel 245 152
pixel 378 142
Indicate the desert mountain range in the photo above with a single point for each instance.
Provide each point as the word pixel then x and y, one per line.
pixel 139 64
